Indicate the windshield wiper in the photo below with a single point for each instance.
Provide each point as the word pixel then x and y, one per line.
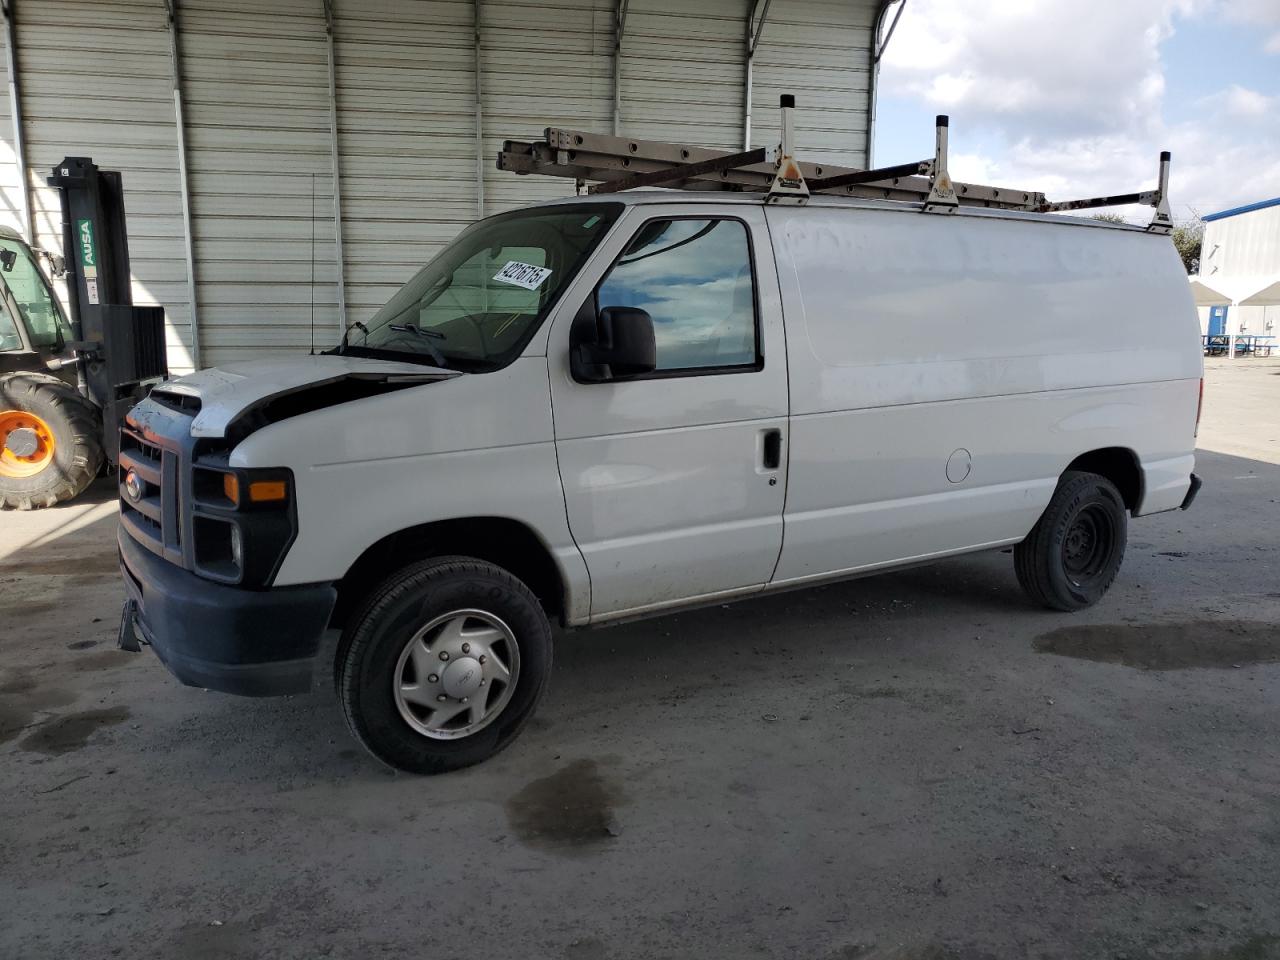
pixel 347 332
pixel 427 335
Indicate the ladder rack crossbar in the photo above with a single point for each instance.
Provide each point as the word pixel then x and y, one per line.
pixel 1147 198
pixel 681 172
pixel 603 164
pixel 872 176
pixel 600 157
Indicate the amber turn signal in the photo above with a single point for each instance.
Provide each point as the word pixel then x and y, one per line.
pixel 265 491
pixel 231 487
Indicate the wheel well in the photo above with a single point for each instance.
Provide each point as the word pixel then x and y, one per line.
pixel 501 541
pixel 1120 466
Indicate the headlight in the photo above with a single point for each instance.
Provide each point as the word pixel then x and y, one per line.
pixel 243 521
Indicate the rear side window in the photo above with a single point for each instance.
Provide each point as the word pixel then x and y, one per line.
pixel 694 278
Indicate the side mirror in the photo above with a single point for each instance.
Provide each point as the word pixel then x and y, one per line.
pixel 617 342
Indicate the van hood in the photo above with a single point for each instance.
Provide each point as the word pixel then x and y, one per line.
pixel 226 395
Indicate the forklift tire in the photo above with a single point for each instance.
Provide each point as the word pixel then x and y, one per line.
pixel 59 450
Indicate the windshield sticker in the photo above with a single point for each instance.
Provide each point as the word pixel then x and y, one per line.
pixel 590 223
pixel 523 275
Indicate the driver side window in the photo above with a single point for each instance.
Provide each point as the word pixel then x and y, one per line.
pixel 694 278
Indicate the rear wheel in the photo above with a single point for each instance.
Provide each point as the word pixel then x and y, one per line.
pixel 50 441
pixel 444 665
pixel 1073 553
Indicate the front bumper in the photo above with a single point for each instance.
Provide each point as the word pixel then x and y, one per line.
pixel 256 643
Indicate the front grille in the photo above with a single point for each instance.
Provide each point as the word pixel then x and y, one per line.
pixel 151 516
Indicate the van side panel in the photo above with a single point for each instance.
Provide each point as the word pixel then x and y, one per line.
pixel 945 370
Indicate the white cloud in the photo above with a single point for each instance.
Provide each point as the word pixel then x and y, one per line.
pixel 1273 45
pixel 1068 98
pixel 1248 11
pixel 1241 102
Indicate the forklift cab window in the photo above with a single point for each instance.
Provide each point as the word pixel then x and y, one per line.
pixel 9 338
pixel 39 309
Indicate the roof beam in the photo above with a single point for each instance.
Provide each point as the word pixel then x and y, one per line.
pixel 184 176
pixel 15 108
pixel 751 39
pixel 619 30
pixel 335 161
pixel 479 105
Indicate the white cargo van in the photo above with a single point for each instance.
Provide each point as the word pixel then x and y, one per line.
pixel 596 409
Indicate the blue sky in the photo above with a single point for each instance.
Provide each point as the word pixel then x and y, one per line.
pixel 1078 99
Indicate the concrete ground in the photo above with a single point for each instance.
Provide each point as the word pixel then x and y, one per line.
pixel 919 765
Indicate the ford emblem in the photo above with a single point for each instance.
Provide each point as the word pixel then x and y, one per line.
pixel 133 485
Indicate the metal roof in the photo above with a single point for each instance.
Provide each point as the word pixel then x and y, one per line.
pixel 1247 208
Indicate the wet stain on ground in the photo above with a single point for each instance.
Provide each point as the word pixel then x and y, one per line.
pixel 586 948
pixel 1257 947
pixel 71 731
pixel 909 951
pixel 89 565
pixel 26 608
pixel 22 701
pixel 207 940
pixel 17 681
pixel 1263 947
pixel 872 693
pixel 101 660
pixel 1215 644
pixel 81 644
pixel 570 811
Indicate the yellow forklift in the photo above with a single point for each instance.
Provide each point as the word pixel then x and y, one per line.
pixel 66 382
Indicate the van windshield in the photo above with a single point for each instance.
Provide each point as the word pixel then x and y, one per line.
pixel 476 305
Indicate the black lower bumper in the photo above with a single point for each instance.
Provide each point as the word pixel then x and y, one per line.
pixel 257 643
pixel 1196 483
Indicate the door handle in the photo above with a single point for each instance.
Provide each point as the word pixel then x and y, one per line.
pixel 771 449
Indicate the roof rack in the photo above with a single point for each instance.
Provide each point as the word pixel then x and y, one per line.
pixel 607 164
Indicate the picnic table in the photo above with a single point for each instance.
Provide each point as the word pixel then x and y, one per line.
pixel 1247 344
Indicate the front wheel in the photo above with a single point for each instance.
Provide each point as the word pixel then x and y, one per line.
pixel 1074 551
pixel 444 665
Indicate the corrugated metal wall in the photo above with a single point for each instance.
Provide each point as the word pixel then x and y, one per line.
pixel 820 50
pixel 97 81
pixel 255 80
pixel 405 81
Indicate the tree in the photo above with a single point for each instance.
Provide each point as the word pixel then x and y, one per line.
pixel 1187 238
pixel 1110 218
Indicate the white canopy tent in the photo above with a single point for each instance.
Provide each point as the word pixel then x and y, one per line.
pixel 1206 296
pixel 1266 295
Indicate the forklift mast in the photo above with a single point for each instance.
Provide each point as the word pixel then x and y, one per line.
pixel 122 347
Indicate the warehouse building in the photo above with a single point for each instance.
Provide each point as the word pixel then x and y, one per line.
pixel 1240 269
pixel 289 165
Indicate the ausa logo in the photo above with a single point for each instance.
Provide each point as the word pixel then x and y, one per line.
pixel 88 256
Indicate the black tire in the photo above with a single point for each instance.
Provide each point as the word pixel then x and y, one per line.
pixel 76 428
pixel 1073 553
pixel 369 658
